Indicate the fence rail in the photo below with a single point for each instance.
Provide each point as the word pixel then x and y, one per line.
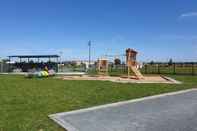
pixel 175 68
pixel 158 68
pixel 189 68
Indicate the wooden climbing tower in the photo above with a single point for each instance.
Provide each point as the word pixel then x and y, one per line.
pixel 102 66
pixel 132 63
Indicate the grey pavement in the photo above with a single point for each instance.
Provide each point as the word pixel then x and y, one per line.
pixel 177 112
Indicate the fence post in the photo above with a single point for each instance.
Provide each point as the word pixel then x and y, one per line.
pixel 1 67
pixel 146 66
pixel 174 68
pixel 193 72
pixel 122 69
pixel 158 68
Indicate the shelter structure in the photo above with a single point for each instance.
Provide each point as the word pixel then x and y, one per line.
pixel 131 60
pixel 40 62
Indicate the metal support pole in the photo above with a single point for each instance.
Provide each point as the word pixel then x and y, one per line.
pixel 57 67
pixel 9 70
pixel 49 59
pixel 1 67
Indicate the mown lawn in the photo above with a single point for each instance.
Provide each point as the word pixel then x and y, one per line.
pixel 26 103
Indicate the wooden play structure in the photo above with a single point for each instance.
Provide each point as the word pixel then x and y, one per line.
pixel 102 66
pixel 132 63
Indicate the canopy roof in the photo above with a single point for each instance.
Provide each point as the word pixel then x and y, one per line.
pixel 131 50
pixel 34 56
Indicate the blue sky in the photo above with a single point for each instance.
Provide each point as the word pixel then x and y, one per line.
pixel 157 29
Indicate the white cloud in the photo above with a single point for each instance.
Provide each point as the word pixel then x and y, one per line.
pixel 190 14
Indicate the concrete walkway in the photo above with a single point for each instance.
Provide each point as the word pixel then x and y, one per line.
pixel 169 112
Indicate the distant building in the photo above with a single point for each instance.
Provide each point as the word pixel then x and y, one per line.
pixel 87 63
pixel 78 62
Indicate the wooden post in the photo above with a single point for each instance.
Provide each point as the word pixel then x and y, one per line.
pixel 158 68
pixel 128 70
pixel 174 68
pixel 193 71
pixel 122 69
pixel 146 66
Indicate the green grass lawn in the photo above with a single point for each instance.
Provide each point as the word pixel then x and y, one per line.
pixel 26 103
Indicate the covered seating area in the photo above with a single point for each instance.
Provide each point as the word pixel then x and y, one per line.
pixel 28 62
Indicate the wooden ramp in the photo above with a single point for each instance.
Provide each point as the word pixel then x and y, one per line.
pixel 137 73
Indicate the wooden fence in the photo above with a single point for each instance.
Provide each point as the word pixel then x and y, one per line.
pixel 189 68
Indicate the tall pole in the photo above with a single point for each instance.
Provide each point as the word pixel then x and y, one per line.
pixel 9 69
pixel 89 44
pixel 60 58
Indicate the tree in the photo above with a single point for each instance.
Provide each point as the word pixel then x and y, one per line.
pixel 170 62
pixel 152 62
pixel 117 61
pixel 73 64
pixel 4 60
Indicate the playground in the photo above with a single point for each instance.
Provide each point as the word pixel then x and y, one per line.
pixel 27 101
pixel 133 73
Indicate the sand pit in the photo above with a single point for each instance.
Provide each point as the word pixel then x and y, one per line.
pixel 146 79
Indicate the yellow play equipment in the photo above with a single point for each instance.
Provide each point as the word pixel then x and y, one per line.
pixel 132 63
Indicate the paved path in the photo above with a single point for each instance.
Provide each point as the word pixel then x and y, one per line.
pixel 174 112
